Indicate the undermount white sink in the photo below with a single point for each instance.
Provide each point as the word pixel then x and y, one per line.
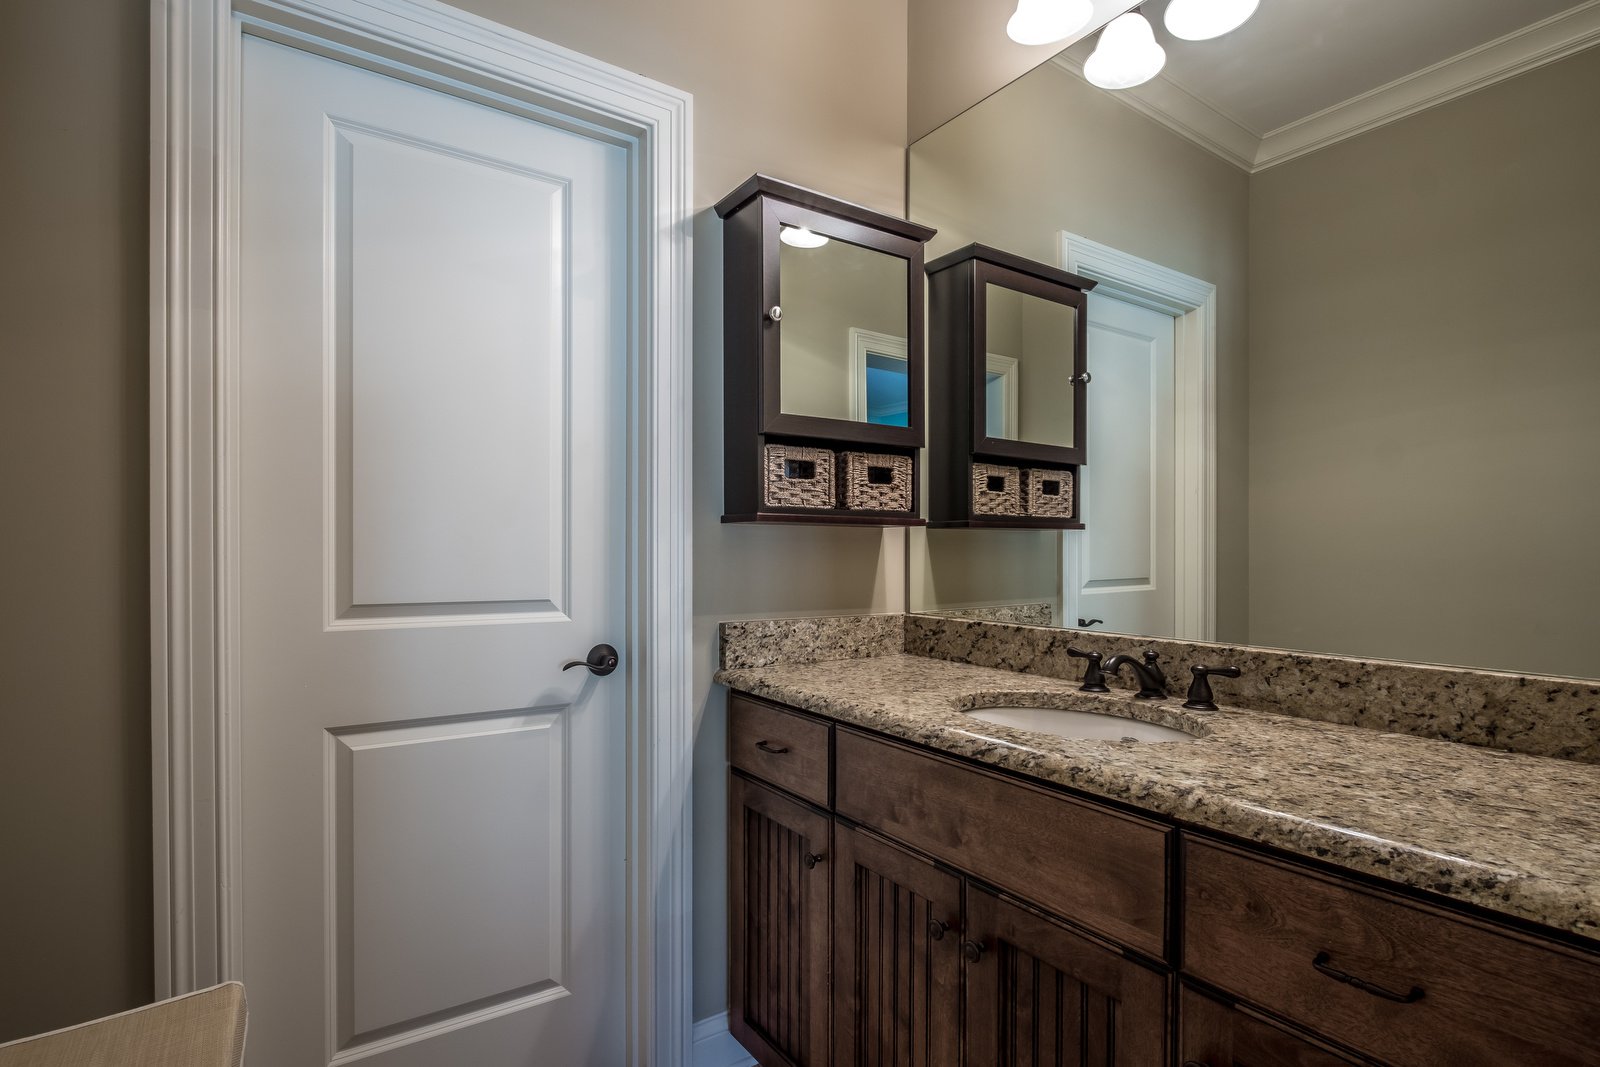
pixel 1083 725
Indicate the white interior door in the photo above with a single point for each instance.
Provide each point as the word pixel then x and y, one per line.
pixel 1120 568
pixel 428 449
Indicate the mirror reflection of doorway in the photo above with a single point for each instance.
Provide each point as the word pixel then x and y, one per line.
pixel 1000 396
pixel 880 378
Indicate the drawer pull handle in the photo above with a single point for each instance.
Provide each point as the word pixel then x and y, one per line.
pixel 812 859
pixel 971 951
pixel 1321 964
pixel 936 930
pixel 770 748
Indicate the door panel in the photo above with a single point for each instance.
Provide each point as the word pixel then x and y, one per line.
pixel 896 956
pixel 427 420
pixel 1120 568
pixel 778 865
pixel 1040 995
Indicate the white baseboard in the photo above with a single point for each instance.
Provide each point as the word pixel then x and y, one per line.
pixel 715 1047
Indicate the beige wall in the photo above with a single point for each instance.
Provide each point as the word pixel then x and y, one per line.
pixel 1425 383
pixel 75 900
pixel 1050 153
pixel 826 110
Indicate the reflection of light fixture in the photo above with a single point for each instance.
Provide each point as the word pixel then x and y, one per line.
pixel 1201 20
pixel 1127 54
pixel 1048 21
pixel 800 237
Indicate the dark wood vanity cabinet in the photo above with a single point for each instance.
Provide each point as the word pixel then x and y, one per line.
pixel 779 916
pixel 890 905
pixel 1039 993
pixel 896 956
pixel 1214 1034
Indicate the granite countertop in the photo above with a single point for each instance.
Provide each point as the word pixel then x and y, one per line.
pixel 1516 834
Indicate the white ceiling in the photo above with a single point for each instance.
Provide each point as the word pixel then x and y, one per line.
pixel 1304 73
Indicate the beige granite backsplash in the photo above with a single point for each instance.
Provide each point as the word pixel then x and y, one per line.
pixel 765 642
pixel 1558 717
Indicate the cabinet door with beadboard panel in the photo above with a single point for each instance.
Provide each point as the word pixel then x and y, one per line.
pixel 778 895
pixel 897 964
pixel 1040 995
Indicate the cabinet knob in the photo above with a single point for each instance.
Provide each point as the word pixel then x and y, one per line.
pixel 775 313
pixel 936 930
pixel 1083 379
pixel 971 951
pixel 812 859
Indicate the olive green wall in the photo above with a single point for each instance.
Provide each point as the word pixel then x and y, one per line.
pixel 1425 383
pixel 1050 153
pixel 75 931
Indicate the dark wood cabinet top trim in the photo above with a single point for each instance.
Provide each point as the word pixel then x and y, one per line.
pixel 765 185
pixel 1011 261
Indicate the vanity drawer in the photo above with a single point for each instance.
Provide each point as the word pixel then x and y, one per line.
pixel 788 750
pixel 1437 988
pixel 1094 866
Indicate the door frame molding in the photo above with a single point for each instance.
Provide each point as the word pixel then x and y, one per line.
pixel 194 98
pixel 1193 303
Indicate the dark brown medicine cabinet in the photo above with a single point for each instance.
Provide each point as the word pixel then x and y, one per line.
pixel 824 371
pixel 1008 355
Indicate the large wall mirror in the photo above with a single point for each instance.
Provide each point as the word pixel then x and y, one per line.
pixel 1345 355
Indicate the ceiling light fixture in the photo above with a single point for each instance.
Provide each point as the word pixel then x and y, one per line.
pixel 1127 54
pixel 800 237
pixel 1048 21
pixel 1201 20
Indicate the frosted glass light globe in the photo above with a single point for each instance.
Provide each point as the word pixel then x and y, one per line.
pixel 1201 20
pixel 1047 21
pixel 1127 54
pixel 800 237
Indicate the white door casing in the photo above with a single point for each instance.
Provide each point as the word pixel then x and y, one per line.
pixel 195 400
pixel 1193 303
pixel 1120 569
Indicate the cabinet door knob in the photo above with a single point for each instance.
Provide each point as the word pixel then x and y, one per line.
pixel 1082 379
pixel 936 930
pixel 775 313
pixel 812 859
pixel 971 951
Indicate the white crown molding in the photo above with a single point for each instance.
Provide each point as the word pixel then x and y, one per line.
pixel 1523 50
pixel 1185 114
pixel 1517 52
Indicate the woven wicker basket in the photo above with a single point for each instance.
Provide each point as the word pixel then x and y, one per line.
pixel 797 477
pixel 869 481
pixel 1048 493
pixel 996 490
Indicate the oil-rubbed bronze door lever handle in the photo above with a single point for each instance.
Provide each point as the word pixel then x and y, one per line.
pixel 602 661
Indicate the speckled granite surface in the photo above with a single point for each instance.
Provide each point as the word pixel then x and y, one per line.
pixel 1021 614
pixel 767 641
pixel 1535 716
pixel 1517 834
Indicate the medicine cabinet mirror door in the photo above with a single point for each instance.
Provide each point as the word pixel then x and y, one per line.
pixel 1027 401
pixel 842 349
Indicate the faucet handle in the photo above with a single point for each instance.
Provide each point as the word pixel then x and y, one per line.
pixel 1094 680
pixel 1150 664
pixel 1200 689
